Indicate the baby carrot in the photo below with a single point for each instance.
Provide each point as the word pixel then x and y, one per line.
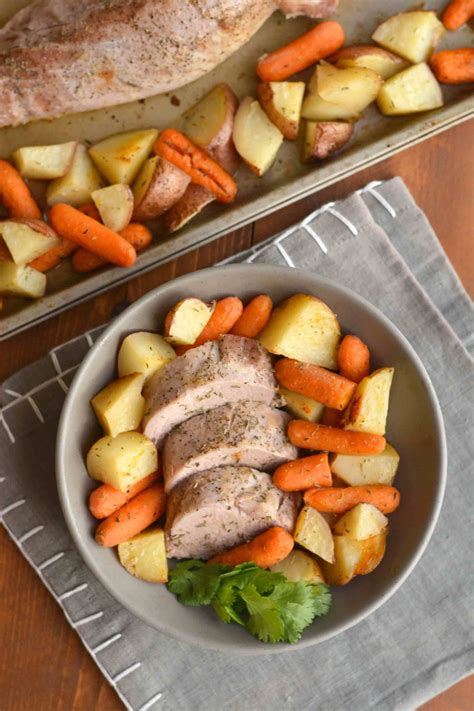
pixel 338 501
pixel 254 318
pixel 354 359
pixel 105 500
pixel 454 66
pixel 321 41
pixel 226 313
pixel 90 234
pixel 331 417
pixel 317 383
pixel 137 235
pixel 201 168
pixel 15 195
pixel 90 210
pixel 331 439
pixel 458 13
pixel 54 256
pixel 132 518
pixel 265 550
pixel 302 474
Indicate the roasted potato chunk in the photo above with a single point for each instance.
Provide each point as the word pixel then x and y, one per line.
pixel 348 554
pixel 304 328
pixel 77 185
pixel 144 352
pixel 413 35
pixel 324 138
pixel 144 556
pixel 299 566
pixel 45 162
pixel 368 409
pixel 413 90
pixel 282 101
pixel 361 522
pixel 115 205
pixel 28 239
pixel 119 406
pixel 120 157
pixel 22 281
pixel 302 407
pixel 186 320
pixel 256 138
pixel 159 185
pixel 380 61
pixel 313 533
pixel 373 551
pixel 339 94
pixel 122 460
pixel 362 471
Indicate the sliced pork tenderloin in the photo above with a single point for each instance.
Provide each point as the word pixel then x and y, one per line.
pixel 245 433
pixel 216 510
pixel 230 369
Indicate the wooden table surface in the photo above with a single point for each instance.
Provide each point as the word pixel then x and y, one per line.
pixel 43 664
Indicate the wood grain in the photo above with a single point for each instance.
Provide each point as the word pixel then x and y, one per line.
pixel 42 661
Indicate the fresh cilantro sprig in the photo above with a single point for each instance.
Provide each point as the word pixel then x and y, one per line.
pixel 269 606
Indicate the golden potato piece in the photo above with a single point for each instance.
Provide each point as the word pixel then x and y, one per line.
pixel 119 406
pixel 122 460
pixel 324 138
pixel 348 554
pixel 302 407
pixel 361 522
pixel 339 94
pixel 115 205
pixel 282 101
pixel 186 321
pixel 144 556
pixel 144 352
pixel 380 61
pixel 413 35
pixel 256 138
pixel 413 90
pixel 304 328
pixel 313 533
pixel 16 280
pixel 77 185
pixel 299 566
pixel 368 409
pixel 362 470
pixel 45 162
pixel 120 157
pixel 373 551
pixel 28 239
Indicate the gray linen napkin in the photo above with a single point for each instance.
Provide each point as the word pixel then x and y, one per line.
pixel 380 244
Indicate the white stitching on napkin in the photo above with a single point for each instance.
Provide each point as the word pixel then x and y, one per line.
pixel 106 643
pixel 73 591
pixel 29 534
pixel 12 507
pixel 50 561
pixel 370 188
pixel 33 404
pixel 36 389
pixel 89 618
pixel 6 428
pixel 126 672
pixel 152 701
pixel 57 368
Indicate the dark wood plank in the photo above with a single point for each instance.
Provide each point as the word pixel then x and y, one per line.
pixel 41 658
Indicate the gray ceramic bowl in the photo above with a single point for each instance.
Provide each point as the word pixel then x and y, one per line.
pixel 415 428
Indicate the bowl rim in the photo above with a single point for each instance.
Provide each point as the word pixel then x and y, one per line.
pixel 230 647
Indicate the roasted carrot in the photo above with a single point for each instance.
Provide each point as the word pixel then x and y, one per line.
pixel 54 256
pixel 105 500
pixel 225 315
pixel 15 194
pixel 137 235
pixel 132 518
pixel 354 359
pixel 454 66
pixel 340 500
pixel 90 234
pixel 265 550
pixel 302 474
pixel 458 13
pixel 315 382
pixel 321 41
pixel 201 168
pixel 331 439
pixel 331 417
pixel 90 210
pixel 254 318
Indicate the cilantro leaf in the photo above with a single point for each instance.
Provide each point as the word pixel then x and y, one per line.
pixel 321 599
pixel 227 602
pixel 264 621
pixel 195 582
pixel 297 604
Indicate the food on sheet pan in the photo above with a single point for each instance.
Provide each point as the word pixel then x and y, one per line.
pixel 214 466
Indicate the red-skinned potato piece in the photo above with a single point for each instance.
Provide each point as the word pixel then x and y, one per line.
pixel 159 185
pixel 324 138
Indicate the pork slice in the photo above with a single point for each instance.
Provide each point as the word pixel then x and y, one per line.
pixel 246 433
pixel 213 511
pixel 229 369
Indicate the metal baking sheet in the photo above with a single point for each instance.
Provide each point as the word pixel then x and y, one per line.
pixel 375 139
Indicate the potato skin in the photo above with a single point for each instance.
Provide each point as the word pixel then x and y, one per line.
pixel 325 139
pixel 287 126
pixel 168 184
